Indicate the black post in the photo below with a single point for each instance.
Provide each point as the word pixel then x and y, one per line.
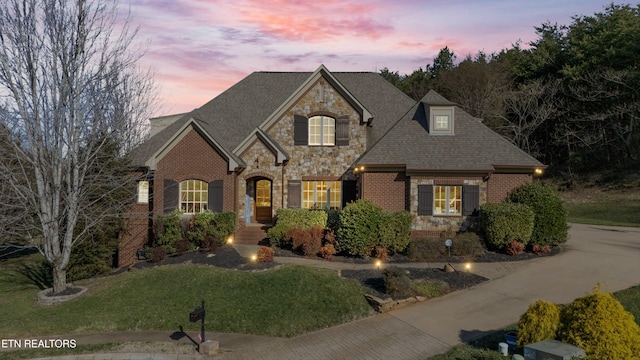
pixel 202 328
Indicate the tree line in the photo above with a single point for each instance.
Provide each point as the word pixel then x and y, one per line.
pixel 571 98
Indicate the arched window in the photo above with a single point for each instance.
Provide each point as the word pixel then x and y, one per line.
pixel 193 196
pixel 322 130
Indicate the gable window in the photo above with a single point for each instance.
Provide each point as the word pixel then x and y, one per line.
pixel 322 131
pixel 321 195
pixel 194 196
pixel 447 200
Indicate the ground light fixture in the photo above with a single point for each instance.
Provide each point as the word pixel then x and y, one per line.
pixel 254 257
pixel 378 264
pixel 230 240
pixel 467 266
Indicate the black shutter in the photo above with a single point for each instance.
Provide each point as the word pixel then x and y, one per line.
pixel 300 130
pixel 171 195
pixel 470 199
pixel 294 193
pixel 342 131
pixel 425 199
pixel 216 195
pixel 349 192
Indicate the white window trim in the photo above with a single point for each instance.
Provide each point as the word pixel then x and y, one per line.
pixel 447 200
pixel 322 131
pixel 204 197
pixel 315 194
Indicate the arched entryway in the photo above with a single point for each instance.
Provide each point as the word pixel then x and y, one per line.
pixel 259 200
pixel 263 200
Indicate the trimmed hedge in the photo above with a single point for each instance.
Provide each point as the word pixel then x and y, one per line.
pixel 506 222
pixel 395 230
pixel 207 224
pixel 550 222
pixel 287 219
pixel 359 227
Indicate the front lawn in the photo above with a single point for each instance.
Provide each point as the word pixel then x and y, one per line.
pixel 281 302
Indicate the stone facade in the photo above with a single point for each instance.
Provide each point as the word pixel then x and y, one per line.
pixel 261 163
pixel 434 224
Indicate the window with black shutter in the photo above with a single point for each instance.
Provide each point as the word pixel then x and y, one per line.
pixel 294 193
pixel 300 130
pixel 470 199
pixel 216 195
pixel 425 199
pixel 170 200
pixel 342 131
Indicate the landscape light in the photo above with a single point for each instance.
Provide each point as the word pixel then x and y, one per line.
pixel 467 266
pixel 378 264
pixel 254 257
pixel 230 239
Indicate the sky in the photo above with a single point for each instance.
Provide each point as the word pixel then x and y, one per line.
pixel 199 48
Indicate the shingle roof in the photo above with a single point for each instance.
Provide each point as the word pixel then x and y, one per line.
pixel 473 147
pixel 233 115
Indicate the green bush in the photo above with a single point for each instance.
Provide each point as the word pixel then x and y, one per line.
pixel 397 283
pixel 287 219
pixel 550 222
pixel 224 224
pixel 429 288
pixel 209 224
pixel 168 230
pixel 467 244
pixel 359 227
pixel 395 230
pixel 94 256
pixel 540 322
pixel 600 325
pixel 506 222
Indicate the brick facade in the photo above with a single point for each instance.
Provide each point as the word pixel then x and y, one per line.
pixel 389 190
pixel 135 235
pixel 500 185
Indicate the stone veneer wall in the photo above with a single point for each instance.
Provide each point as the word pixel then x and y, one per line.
pixel 320 162
pixel 436 224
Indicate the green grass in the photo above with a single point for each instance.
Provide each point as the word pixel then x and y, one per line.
pixel 486 347
pixel 283 302
pixel 615 212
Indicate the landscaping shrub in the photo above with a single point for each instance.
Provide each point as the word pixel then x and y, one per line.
pixel 541 249
pixel 327 251
pixel 550 222
pixel 217 225
pixel 467 244
pixel 158 254
pixel 359 227
pixel 600 325
pixel 94 256
pixel 515 248
pixel 183 245
pixel 381 253
pixel 540 322
pixel 425 249
pixel 306 241
pixel 265 254
pixel 429 288
pixel 287 219
pixel 210 243
pixel 397 283
pixel 333 219
pixel 506 222
pixel 395 230
pixel 168 230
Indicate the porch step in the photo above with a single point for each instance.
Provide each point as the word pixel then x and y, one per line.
pixel 252 234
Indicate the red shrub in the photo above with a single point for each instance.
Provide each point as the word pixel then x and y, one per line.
pixel 381 253
pixel 541 249
pixel 307 241
pixel 265 254
pixel 515 248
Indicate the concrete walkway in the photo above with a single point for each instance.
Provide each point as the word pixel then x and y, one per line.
pixel 594 254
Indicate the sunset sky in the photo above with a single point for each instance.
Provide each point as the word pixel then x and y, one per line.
pixel 199 48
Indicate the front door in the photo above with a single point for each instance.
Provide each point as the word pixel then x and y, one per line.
pixel 263 201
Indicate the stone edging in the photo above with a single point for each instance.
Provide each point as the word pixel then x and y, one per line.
pixel 44 299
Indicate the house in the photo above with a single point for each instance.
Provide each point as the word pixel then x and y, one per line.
pixel 320 140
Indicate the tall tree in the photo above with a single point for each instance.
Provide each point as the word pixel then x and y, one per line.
pixel 70 74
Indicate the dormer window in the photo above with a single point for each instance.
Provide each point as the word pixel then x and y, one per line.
pixel 441 120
